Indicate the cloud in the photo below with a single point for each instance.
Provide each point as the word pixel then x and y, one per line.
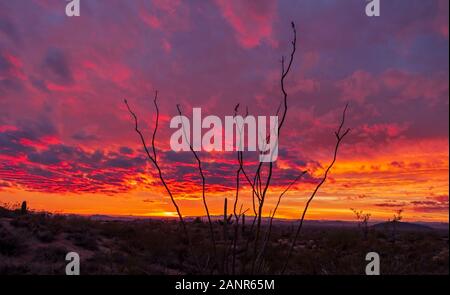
pixel 442 199
pixel 166 15
pixel 251 21
pixel 84 136
pixel 126 150
pixel 399 86
pixel 429 206
pixel 11 72
pixel 8 29
pixel 440 23
pixel 358 87
pixel 56 64
pixel 26 162
pixel 391 205
pixel 410 86
pixel 384 129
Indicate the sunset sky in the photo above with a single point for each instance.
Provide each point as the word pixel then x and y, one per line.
pixel 67 141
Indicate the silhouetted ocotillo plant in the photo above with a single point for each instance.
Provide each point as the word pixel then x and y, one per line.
pixel 363 221
pixel 395 220
pixel 252 248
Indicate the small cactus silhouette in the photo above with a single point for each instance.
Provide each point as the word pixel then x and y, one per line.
pixel 23 208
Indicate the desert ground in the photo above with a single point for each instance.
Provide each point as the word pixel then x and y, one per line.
pixel 37 243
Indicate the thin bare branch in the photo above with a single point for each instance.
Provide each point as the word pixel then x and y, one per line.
pixel 284 72
pixel 155 162
pixel 269 230
pixel 155 102
pixel 339 136
pixel 205 204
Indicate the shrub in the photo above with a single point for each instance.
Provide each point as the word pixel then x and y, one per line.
pixel 85 240
pixel 11 244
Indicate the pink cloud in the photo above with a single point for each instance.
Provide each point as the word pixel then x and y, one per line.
pixel 14 66
pixel 251 21
pixel 401 85
pixel 150 20
pixel 116 72
pixel 409 86
pixel 390 130
pixel 309 60
pixel 305 85
pixel 168 16
pixel 358 86
pixel 440 199
pixel 440 23
pixel 166 46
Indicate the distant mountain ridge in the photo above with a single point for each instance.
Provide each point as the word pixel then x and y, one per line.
pixel 402 226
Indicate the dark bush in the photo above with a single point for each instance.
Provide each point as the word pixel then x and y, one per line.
pixel 84 240
pixel 11 244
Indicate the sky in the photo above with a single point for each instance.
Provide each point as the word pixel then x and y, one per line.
pixel 67 141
